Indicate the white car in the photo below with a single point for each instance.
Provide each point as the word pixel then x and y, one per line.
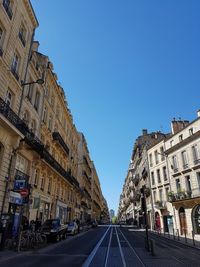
pixel 72 228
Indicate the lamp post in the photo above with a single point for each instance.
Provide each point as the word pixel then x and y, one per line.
pixel 39 81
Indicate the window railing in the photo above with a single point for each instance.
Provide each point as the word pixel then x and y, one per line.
pixel 56 136
pixel 7 9
pixel 182 195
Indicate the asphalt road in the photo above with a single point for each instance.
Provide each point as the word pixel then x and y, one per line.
pixel 108 247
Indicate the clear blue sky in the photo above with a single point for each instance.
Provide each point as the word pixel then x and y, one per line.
pixel 125 66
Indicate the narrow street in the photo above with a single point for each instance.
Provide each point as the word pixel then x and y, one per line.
pixel 107 246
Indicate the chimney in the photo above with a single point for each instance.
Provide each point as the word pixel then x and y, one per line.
pixel 144 132
pixel 177 126
pixel 198 113
pixel 35 46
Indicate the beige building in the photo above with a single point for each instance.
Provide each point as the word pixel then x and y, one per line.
pixel 39 143
pixel 17 26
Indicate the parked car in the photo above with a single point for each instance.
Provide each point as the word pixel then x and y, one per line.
pixel 72 228
pixel 54 230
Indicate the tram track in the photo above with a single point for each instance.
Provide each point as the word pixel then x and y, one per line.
pixel 113 249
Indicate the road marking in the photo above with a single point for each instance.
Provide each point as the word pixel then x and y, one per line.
pixel 120 249
pixel 92 254
pixel 107 254
pixel 132 249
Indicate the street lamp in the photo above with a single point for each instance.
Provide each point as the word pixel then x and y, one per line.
pixel 38 81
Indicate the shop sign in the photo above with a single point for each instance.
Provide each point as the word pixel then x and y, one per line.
pixel 15 198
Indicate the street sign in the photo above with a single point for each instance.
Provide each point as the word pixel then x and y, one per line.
pixel 24 192
pixel 15 198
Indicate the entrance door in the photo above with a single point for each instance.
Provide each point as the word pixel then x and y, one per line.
pixel 183 223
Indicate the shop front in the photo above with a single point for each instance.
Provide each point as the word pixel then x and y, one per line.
pixel 61 211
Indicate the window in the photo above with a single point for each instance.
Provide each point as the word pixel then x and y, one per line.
pixel 161 194
pixel 26 117
pixel 42 183
pixel 33 126
pixel 167 193
pixel 191 131
pixel 7 7
pixel 154 196
pixel 8 98
pixel 50 122
pixel 30 92
pixel 49 186
pixel 158 176
pixel 152 178
pixel 37 101
pixel 198 179
pixel 21 164
pixel 178 185
pixel 44 115
pixel 175 163
pixel 22 34
pixel 171 143
pixel 188 183
pixel 165 173
pixel 2 33
pixel 180 137
pixel 184 159
pixel 195 153
pixel 35 178
pixel 162 153
pixel 15 66
pixel 156 156
pixel 150 160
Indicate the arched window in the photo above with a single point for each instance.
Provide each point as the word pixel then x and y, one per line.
pixel 196 219
pixel 42 183
pixel 183 223
pixel 49 185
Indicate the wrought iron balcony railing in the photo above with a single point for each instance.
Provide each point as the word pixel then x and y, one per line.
pixel 33 141
pixel 183 195
pixel 58 137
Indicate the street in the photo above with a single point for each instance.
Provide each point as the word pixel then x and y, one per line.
pixel 109 246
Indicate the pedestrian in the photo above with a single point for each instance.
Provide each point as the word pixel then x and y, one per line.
pixel 78 224
pixel 37 224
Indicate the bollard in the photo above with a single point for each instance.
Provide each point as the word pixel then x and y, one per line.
pixel 185 236
pixel 173 234
pixel 152 247
pixel 177 234
pixel 193 238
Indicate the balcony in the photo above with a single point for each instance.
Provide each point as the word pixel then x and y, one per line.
pixel 7 9
pixel 57 137
pixel 184 195
pixel 161 205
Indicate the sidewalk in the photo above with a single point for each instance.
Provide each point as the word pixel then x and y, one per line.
pixel 180 239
